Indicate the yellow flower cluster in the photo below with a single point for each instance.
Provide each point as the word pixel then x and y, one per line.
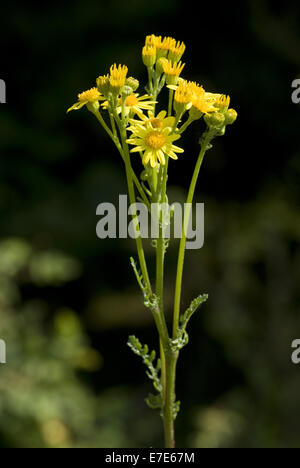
pixel 153 135
pixel 166 52
pixel 166 47
pixel 189 95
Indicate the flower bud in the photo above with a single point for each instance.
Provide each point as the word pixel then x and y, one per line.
pixel 93 106
pixel 103 84
pixel 132 82
pixel 230 116
pixel 215 119
pixel 126 90
pixel 159 65
pixel 195 114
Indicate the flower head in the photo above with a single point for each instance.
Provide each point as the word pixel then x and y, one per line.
pixel 183 96
pixel 176 51
pixel 159 121
pixel 164 45
pixel 134 104
pixel 202 104
pixel 172 71
pixel 223 102
pixel 155 144
pixel 117 77
pixel 91 98
pixel 149 55
pixel 151 40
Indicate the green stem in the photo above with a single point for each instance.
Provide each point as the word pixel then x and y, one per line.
pixel 171 93
pixel 181 253
pixel 185 125
pixel 139 243
pixel 168 409
pixel 150 79
pixel 113 135
pixel 107 129
pixel 166 380
pixel 113 124
pixel 129 177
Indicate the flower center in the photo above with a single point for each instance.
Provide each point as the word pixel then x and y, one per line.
pixel 155 140
pixel 156 123
pixel 90 95
pixel 131 100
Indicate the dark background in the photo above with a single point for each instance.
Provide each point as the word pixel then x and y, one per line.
pixel 69 300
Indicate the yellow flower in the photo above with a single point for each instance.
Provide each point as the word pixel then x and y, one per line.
pixel 172 71
pixel 183 96
pixel 202 103
pixel 201 106
pixel 117 77
pixel 151 40
pixel 223 102
pixel 149 55
pixel 154 143
pixel 176 51
pixel 164 45
pixel 159 121
pixel 134 104
pixel 91 97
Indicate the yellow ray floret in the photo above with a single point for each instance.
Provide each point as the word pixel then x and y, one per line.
pixel 223 101
pixel 154 143
pixel 159 121
pixel 134 104
pixel 202 105
pixel 90 96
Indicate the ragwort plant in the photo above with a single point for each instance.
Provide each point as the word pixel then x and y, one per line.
pixel 135 126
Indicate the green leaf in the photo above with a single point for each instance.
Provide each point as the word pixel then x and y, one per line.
pixel 182 337
pixel 153 372
pixel 154 401
pixel 195 304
